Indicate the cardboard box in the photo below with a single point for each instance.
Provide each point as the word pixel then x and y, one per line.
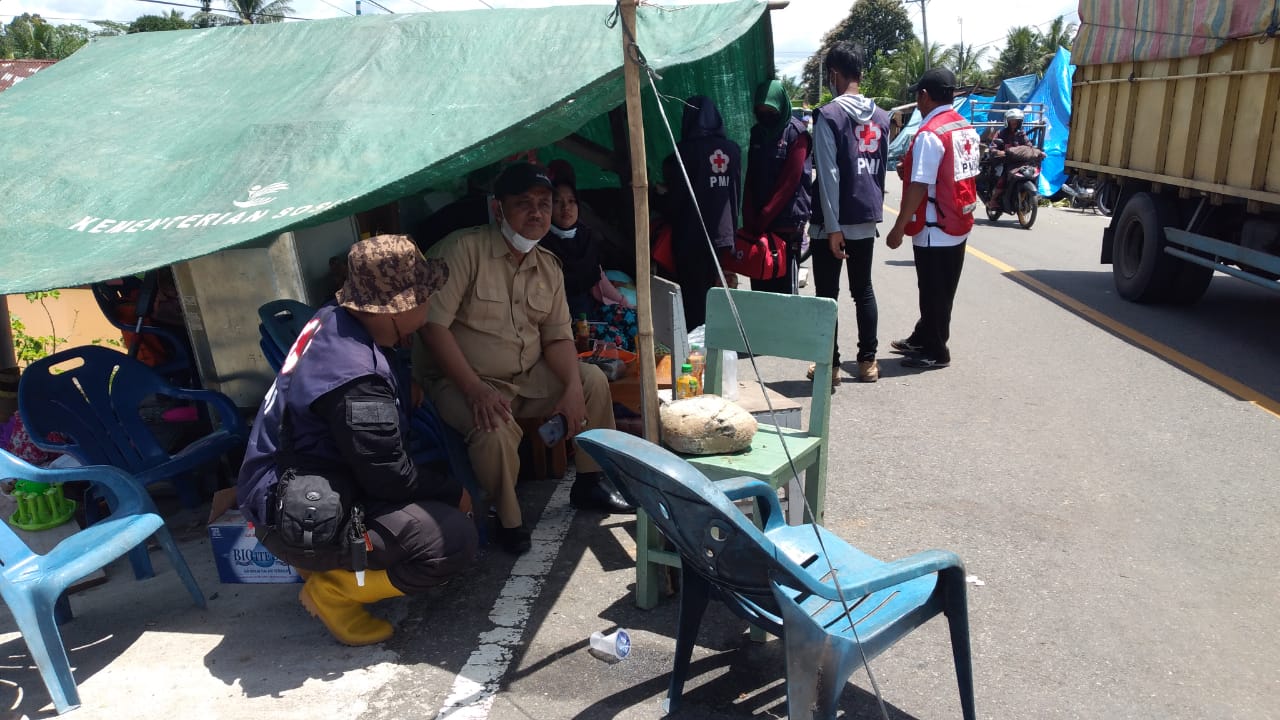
pixel 236 551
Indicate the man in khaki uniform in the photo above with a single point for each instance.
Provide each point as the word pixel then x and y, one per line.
pixel 498 345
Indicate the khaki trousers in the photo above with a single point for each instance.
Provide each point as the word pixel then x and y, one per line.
pixel 495 456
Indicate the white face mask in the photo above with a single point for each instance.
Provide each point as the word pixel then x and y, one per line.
pixel 562 233
pixel 521 243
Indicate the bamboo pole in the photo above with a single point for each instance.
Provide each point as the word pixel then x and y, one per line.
pixel 640 207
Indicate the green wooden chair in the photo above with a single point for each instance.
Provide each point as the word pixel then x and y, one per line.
pixel 790 326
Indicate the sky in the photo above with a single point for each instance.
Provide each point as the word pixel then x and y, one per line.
pixel 797 30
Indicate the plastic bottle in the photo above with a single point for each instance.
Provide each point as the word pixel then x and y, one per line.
pixel 729 375
pixel 699 363
pixel 687 385
pixel 582 333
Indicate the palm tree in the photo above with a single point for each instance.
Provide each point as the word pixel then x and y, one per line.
pixel 260 11
pixel 967 63
pixel 907 65
pixel 1060 33
pixel 1023 54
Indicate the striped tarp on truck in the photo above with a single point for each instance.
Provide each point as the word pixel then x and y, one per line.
pixel 1134 30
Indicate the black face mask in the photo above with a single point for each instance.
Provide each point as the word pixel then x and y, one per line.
pixel 766 118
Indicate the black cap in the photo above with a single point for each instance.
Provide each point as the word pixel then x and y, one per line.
pixel 521 177
pixel 933 80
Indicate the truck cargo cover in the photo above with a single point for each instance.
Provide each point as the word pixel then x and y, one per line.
pixel 1135 30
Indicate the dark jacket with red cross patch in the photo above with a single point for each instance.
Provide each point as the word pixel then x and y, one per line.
pixel 346 409
pixel 714 165
pixel 861 133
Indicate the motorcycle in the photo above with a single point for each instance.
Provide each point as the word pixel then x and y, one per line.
pixel 1091 192
pixel 1020 195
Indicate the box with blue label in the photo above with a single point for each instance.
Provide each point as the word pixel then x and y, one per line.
pixel 236 551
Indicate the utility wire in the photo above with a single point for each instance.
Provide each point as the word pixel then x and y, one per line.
pixel 380 6
pixel 335 7
pixel 637 56
pixel 424 7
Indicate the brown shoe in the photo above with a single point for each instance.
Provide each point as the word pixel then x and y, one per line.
pixel 835 375
pixel 868 371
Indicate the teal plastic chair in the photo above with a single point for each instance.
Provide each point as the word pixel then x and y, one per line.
pixel 33 585
pixel 831 603
pixel 788 326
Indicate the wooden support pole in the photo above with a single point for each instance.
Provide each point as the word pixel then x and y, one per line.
pixel 640 207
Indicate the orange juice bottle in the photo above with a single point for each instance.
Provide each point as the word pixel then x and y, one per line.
pixel 686 385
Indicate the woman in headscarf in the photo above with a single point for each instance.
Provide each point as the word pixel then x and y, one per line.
pixel 779 177
pixel 714 165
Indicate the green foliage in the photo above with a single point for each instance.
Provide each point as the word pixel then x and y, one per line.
pixel 158 23
pixel 1022 54
pixel 31 37
pixel 1029 52
pixel 260 11
pixel 793 88
pixel 29 348
pixel 966 63
pixel 881 27
pixel 891 78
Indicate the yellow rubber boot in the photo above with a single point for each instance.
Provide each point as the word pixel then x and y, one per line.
pixel 339 602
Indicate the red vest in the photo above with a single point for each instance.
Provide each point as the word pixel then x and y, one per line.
pixel 956 190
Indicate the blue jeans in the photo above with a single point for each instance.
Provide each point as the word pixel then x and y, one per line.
pixel 826 283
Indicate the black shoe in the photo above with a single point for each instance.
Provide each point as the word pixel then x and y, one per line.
pixel 514 540
pixel 591 491
pixel 924 363
pixel 905 347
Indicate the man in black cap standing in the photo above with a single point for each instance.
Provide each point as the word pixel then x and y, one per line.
pixel 939 196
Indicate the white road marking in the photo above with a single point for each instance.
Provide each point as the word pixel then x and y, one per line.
pixel 476 686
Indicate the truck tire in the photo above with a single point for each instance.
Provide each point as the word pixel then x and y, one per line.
pixel 1143 272
pixel 1190 283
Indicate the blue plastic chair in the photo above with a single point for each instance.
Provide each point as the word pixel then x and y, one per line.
pixel 33 585
pixel 830 602
pixel 92 396
pixel 282 323
pixel 109 296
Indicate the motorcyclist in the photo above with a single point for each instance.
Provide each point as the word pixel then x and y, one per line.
pixel 1009 137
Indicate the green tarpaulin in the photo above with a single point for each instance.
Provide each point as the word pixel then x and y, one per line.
pixel 144 150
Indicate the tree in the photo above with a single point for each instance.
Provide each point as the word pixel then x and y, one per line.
pixel 880 27
pixel 792 87
pixel 1023 54
pixel 1060 33
pixel 890 79
pixel 260 11
pixel 966 63
pixel 155 23
pixel 31 37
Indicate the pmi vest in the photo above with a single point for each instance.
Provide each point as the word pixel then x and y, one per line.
pixel 956 191
pixel 767 160
pixel 862 153
pixel 332 350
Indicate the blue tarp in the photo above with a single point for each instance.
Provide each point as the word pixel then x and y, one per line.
pixel 963 105
pixel 1054 93
pixel 1014 90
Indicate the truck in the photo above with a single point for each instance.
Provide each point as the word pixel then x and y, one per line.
pixel 1178 110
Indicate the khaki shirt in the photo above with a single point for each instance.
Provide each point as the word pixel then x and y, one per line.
pixel 501 314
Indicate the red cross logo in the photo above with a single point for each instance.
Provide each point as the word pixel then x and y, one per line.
pixel 300 345
pixel 869 138
pixel 719 162
pixel 968 146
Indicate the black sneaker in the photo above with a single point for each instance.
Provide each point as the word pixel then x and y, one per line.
pixel 905 347
pixel 924 363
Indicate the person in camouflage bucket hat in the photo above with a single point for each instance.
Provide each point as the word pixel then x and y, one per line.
pixel 387 274
pixel 347 412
